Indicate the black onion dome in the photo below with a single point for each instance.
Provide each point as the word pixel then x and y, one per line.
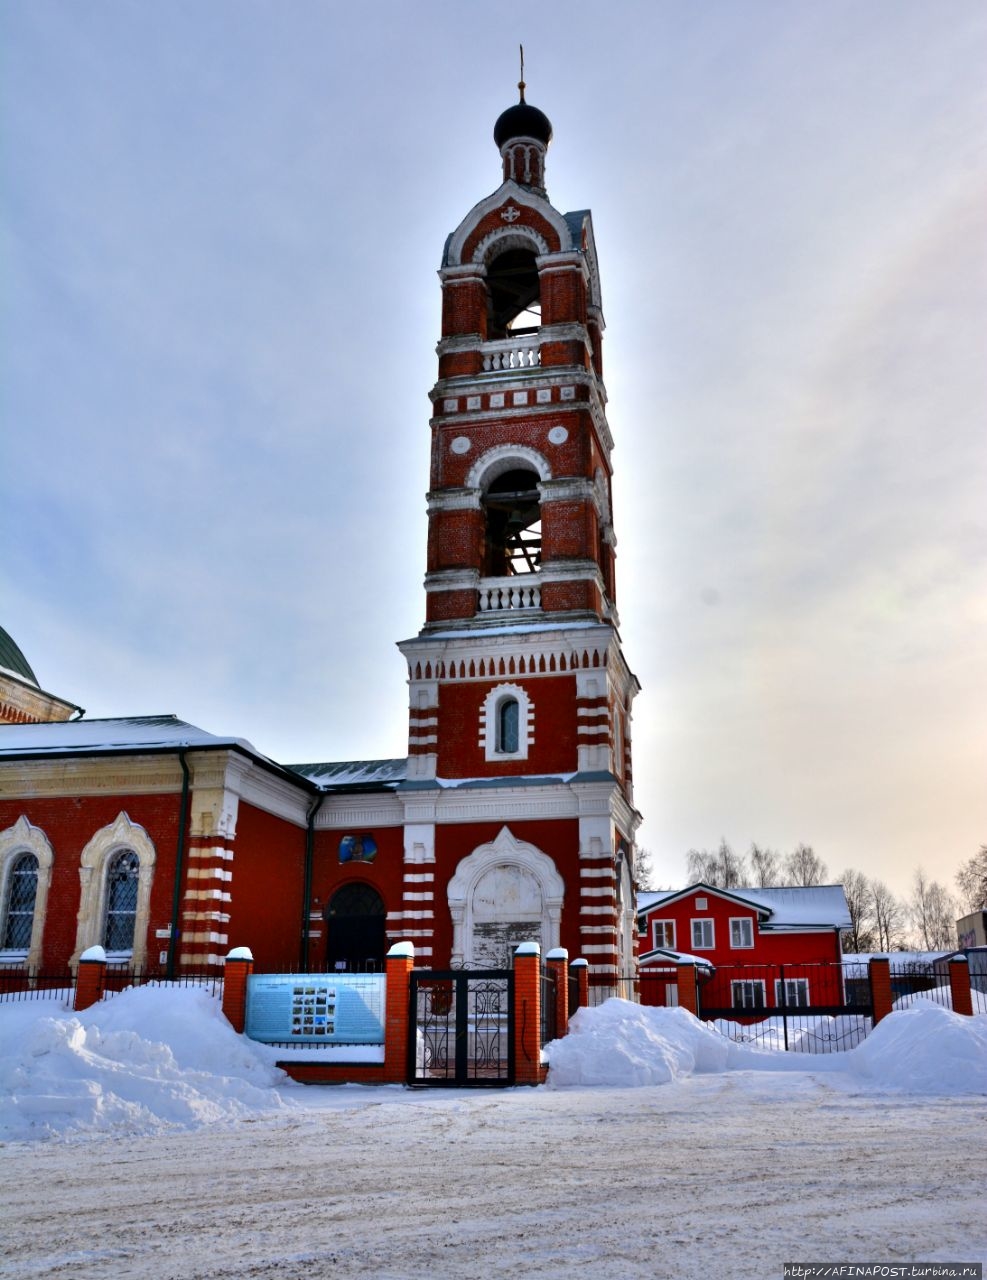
pixel 522 121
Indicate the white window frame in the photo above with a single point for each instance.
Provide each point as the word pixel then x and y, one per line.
pixel 741 985
pixel 23 837
pixel 801 986
pixel 740 924
pixel 490 718
pixel 671 995
pixel 655 941
pixel 702 921
pixel 96 859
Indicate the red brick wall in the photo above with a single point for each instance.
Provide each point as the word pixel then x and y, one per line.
pixel 554 748
pixel 385 874
pixel 69 824
pixel 268 871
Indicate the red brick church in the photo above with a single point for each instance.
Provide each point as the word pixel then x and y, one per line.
pixel 512 816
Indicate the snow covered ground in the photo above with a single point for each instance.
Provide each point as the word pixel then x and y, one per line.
pixel 144 1138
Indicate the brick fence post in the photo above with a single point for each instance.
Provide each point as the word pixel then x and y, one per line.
pixel 90 981
pixel 237 969
pixel 397 1010
pixel 879 975
pixel 959 985
pixel 557 961
pixel 527 1013
pixel 582 977
pixel 686 980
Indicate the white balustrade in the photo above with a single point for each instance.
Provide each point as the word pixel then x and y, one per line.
pixel 508 593
pixel 511 353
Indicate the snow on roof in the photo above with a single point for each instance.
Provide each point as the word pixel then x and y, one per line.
pixel 659 954
pixel 786 906
pixel 354 773
pixel 133 733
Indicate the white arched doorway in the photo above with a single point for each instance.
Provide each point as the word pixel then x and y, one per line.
pixel 504 893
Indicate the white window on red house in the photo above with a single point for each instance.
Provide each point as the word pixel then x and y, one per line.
pixel 741 931
pixel 702 935
pixel 671 995
pixel 663 933
pixel 747 994
pixel 796 993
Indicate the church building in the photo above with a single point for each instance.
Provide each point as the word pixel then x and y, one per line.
pixel 512 817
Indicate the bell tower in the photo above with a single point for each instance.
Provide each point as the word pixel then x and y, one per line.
pixel 520 696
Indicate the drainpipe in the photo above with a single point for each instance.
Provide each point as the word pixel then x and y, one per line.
pixel 307 891
pixel 176 898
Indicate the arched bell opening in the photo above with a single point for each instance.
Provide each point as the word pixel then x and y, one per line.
pixel 512 512
pixel 355 937
pixel 513 294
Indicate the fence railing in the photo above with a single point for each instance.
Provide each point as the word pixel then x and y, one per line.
pixel 549 1005
pixel 44 984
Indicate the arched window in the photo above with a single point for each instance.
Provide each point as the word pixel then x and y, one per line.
pixel 19 901
pixel 122 876
pixel 26 860
pixel 508 721
pixel 117 869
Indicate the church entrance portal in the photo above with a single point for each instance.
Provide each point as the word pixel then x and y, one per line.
pixel 355 941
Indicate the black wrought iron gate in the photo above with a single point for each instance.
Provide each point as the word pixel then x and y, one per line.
pixel 461 1031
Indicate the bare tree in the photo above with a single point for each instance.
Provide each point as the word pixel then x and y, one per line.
pixel 860 935
pixel 765 865
pixel 700 864
pixel 644 870
pixel 889 916
pixel 723 869
pixel 971 880
pixel 933 912
pixel 803 866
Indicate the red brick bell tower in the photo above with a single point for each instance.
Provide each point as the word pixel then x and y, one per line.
pixel 519 806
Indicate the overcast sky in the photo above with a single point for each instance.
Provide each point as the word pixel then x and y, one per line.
pixel 220 226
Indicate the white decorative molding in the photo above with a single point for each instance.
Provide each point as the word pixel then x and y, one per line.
pixel 24 837
pixel 489 712
pixel 508 853
pixel 506 457
pixel 509 193
pixel 93 865
pixel 462 444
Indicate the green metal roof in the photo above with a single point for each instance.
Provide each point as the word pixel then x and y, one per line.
pixel 11 659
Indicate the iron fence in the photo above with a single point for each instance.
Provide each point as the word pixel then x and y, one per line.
pixel 549 1005
pixel 912 979
pixel 804 1008
pixel 40 984
pixel 36 984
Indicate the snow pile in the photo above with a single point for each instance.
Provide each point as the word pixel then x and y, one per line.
pixel 925 1049
pixel 148 1060
pixel 621 1043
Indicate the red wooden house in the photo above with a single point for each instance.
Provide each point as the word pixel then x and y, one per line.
pixel 765 944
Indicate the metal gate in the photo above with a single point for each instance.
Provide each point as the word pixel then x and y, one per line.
pixel 461 1031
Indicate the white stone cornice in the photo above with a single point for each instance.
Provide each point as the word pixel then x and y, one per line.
pixel 452 580
pixel 453 500
pixel 90 776
pixel 518 195
pixel 341 812
pixel 568 489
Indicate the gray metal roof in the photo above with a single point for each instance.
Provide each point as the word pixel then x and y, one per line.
pixel 127 733
pixel 354 773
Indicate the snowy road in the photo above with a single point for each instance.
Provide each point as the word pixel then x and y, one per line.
pixel 727 1175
